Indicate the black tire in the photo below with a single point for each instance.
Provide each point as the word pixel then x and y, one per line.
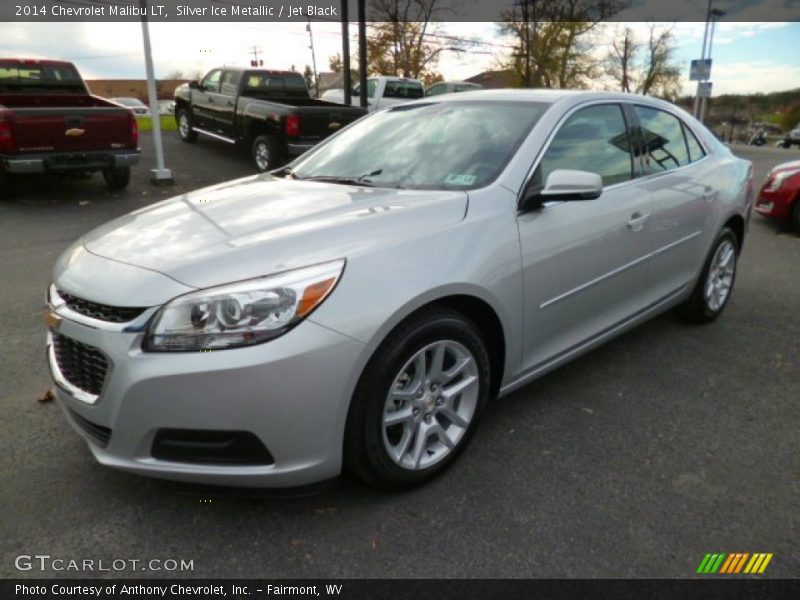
pixel 186 133
pixel 7 184
pixel 698 308
pixel 266 153
pixel 786 144
pixel 365 453
pixel 117 179
pixel 795 217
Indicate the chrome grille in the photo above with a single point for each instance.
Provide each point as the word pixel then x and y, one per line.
pixel 81 365
pixel 102 312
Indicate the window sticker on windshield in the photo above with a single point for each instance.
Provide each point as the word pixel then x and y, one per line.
pixel 459 179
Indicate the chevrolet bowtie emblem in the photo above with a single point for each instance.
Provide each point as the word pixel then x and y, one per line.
pixel 74 132
pixel 51 319
pixel 334 125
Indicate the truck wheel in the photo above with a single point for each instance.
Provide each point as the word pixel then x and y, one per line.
pixel 7 185
pixel 185 130
pixel 265 153
pixel 117 179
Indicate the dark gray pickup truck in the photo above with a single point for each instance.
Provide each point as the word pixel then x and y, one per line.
pixel 269 112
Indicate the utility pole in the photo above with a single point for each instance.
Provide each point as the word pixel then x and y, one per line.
pixel 255 51
pixel 313 56
pixel 346 83
pixel 362 51
pixel 160 174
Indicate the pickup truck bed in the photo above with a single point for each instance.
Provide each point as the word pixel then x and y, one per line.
pixel 48 127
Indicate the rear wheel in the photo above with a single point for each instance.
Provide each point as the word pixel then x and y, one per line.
pixel 266 154
pixel 7 184
pixel 185 131
pixel 117 179
pixel 796 215
pixel 418 401
pixel 713 289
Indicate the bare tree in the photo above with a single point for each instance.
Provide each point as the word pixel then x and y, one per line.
pixel 400 37
pixel 620 62
pixel 644 67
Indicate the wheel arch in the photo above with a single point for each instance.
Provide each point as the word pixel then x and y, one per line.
pixel 737 224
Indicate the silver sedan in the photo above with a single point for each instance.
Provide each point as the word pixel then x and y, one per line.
pixel 358 308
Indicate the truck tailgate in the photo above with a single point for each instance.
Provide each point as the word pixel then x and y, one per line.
pixel 321 121
pixel 71 129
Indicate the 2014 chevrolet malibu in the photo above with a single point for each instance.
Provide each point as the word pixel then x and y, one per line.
pixel 359 307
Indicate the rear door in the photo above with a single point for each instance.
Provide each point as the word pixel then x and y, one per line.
pixel 678 178
pixel 585 267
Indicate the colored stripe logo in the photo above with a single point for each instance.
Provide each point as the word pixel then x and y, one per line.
pixel 734 563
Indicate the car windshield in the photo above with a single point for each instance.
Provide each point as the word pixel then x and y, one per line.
pixel 433 145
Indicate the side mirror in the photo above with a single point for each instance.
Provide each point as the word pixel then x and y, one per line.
pixel 195 85
pixel 565 185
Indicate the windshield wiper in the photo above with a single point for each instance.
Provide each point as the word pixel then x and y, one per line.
pixel 362 180
pixel 284 172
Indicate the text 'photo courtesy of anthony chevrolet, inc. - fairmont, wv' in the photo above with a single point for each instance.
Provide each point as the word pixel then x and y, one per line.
pixel 399 298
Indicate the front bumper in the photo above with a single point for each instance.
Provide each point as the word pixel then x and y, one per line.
pixel 70 161
pixel 292 393
pixel 776 205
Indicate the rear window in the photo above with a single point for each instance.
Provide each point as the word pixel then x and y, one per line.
pixel 266 82
pixel 404 89
pixel 32 76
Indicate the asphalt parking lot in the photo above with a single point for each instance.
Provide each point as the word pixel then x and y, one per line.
pixel 632 461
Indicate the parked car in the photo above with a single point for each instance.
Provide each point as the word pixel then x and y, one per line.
pixel 361 306
pixel 270 112
pixel 779 197
pixel 792 138
pixel 382 92
pixel 166 107
pixel 137 106
pixel 452 87
pixel 50 123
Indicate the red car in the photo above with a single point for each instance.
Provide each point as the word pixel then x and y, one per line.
pixel 779 197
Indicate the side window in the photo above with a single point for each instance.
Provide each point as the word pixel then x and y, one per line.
pixel 211 81
pixel 696 151
pixel 665 146
pixel 435 90
pixel 372 84
pixel 230 83
pixel 593 139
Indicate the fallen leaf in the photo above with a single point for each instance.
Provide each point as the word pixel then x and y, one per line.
pixel 47 396
pixel 589 410
pixel 83 203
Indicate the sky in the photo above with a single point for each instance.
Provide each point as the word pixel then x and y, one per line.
pixel 748 56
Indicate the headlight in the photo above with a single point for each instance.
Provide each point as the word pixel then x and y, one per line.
pixel 778 179
pixel 243 313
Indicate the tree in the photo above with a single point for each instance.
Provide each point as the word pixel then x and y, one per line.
pixel 552 45
pixel 645 67
pixel 335 63
pixel 399 41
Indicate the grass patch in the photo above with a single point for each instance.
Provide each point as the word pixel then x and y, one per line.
pixel 167 123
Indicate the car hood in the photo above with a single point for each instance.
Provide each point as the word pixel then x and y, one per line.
pixel 260 225
pixel 787 166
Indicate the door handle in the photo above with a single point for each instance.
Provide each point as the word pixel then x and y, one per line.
pixel 637 221
pixel 211 101
pixel 709 194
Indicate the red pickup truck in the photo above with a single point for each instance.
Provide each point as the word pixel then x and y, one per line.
pixel 50 123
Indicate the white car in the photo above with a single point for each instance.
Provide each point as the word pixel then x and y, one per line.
pixel 137 106
pixel 382 92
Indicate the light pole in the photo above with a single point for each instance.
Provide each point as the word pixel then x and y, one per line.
pixel 716 14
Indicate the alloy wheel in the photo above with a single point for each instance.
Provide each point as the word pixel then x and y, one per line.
pixel 720 276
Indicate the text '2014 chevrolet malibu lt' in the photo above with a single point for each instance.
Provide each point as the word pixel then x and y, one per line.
pixel 358 308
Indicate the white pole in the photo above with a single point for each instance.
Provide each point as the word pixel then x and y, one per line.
pixel 160 174
pixel 696 109
pixel 710 44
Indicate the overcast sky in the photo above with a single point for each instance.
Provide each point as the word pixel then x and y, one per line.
pixel 748 57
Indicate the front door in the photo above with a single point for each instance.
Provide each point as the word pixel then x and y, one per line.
pixel 585 263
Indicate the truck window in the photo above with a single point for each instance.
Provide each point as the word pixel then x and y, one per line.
pixel 230 83
pixel 403 89
pixel 269 82
pixel 372 85
pixel 211 81
pixel 61 77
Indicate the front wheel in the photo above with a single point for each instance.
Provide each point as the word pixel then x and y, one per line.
pixel 418 401
pixel 7 184
pixel 117 179
pixel 185 130
pixel 713 289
